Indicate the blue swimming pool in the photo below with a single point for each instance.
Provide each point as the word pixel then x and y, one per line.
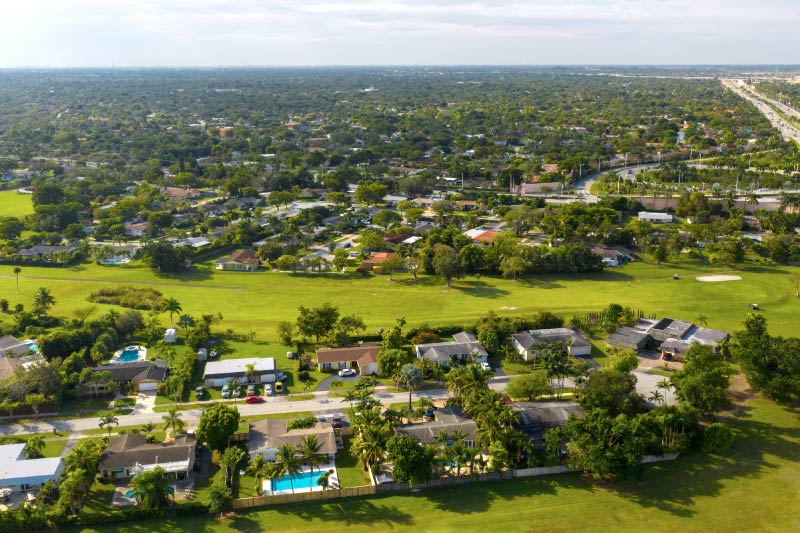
pixel 33 347
pixel 129 355
pixel 300 481
pixel 116 261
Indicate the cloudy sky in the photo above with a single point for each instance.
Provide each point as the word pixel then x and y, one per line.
pixel 373 32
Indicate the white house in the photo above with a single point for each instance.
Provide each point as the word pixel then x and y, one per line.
pixel 656 218
pixel 20 474
pixel 219 373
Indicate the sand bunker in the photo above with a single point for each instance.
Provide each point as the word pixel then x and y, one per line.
pixel 718 278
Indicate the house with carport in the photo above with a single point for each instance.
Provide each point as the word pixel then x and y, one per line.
pixel 530 344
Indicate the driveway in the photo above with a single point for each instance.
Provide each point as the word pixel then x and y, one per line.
pixel 325 384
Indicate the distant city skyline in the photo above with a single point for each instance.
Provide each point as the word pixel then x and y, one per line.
pixel 103 33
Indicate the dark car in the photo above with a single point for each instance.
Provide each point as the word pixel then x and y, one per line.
pixel 337 421
pixel 199 392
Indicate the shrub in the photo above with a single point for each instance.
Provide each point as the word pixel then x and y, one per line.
pixel 718 438
pixel 130 297
pixel 302 423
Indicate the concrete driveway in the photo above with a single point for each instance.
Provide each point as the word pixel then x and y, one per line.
pixel 325 384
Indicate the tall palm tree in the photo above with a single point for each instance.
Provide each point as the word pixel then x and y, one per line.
pixel 656 397
pixel 262 469
pixel 250 372
pixel 171 306
pixel 288 463
pixel 17 271
pixel 752 199
pixel 172 420
pixel 370 445
pixel 309 450
pixel 411 376
pixel 107 421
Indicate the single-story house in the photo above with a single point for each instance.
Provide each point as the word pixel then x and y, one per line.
pixel 463 346
pixel 677 348
pixel 241 260
pixel 135 229
pixel 219 373
pixel 376 259
pixel 194 242
pixel 139 375
pixel 9 365
pixel 630 338
pixel 537 417
pixel 447 419
pixel 20 474
pixel 12 346
pixel 128 455
pixel 656 218
pixel 481 236
pixel 266 436
pixel 534 189
pixel 529 343
pixel 41 250
pixel 364 358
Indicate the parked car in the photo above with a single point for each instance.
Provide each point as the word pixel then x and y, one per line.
pixel 337 421
pixel 486 367
pixel 278 387
pixel 226 391
pixel 347 372
pixel 254 399
pixel 280 375
pixel 251 390
pixel 199 392
pixel 267 389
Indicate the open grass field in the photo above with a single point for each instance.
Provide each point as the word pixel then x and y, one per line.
pixel 753 488
pixel 14 204
pixel 258 301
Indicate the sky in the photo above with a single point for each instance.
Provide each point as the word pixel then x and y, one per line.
pixel 121 33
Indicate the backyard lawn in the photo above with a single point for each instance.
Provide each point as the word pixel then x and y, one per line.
pixel 349 469
pixel 14 204
pixel 753 488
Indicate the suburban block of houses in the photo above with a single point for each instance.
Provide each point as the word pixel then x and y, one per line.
pixel 363 358
pixel 128 455
pixel 531 343
pixel 219 373
pixel 463 346
pixel 671 337
pixel 22 475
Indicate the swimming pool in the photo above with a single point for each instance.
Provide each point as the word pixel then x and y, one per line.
pixel 33 347
pixel 116 261
pixel 300 481
pixel 128 355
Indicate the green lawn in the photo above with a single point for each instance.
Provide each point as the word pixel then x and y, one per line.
pixel 52 447
pixel 753 488
pixel 258 301
pixel 14 204
pixel 349 469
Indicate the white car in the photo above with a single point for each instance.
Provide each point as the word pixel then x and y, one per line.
pixel 347 372
pixel 485 366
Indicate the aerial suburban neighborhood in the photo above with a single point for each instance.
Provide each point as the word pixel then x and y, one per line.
pixel 396 297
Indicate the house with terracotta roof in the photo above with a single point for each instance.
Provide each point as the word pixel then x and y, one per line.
pixel 482 236
pixel 376 259
pixel 240 260
pixel 363 358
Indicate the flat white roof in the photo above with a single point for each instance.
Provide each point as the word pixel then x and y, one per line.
pixel 237 366
pixel 16 470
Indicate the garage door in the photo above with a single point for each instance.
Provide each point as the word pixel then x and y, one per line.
pixel 148 386
pixel 220 382
pixel 268 378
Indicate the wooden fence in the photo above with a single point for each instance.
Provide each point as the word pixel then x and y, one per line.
pixel 386 488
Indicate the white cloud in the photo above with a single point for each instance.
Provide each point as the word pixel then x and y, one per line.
pixel 243 32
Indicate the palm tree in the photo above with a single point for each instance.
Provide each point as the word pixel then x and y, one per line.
pixel 152 488
pixel 324 480
pixel 106 421
pixel 656 397
pixel 261 469
pixel 43 300
pixel 171 306
pixel 250 372
pixel 34 447
pixel 411 376
pixel 309 450
pixel 17 271
pixel 370 445
pixel 288 463
pixel 172 420
pixel 752 199
pixel 702 320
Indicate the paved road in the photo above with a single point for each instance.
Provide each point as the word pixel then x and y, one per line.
pixel 321 404
pixel 767 106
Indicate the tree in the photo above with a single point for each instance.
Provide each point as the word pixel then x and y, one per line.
pixel 35 400
pixel 611 390
pixel 348 325
pixel 411 464
pixel 250 372
pixel 287 263
pixel 152 488
pixel 795 283
pixel 219 496
pixel 446 263
pixel 513 266
pixel 318 321
pixel 704 379
pixel 410 376
pixel 42 301
pixel 171 306
pixel 230 460
pixel 17 271
pixel 392 263
pixel 108 421
pixel 34 447
pixel 261 469
pixel 392 360
pixel 173 420
pixel 285 330
pixel 717 438
pixel 163 257
pixel 386 218
pixel 529 387
pixel 288 463
pixel 309 454
pixel 370 444
pixel 625 361
pixel 217 424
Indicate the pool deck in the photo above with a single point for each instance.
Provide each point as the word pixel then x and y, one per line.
pixel 142 355
pixel 302 485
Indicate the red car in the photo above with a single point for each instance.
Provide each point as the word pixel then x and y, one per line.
pixel 254 399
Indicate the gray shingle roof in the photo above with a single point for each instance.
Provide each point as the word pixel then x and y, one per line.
pixel 126 451
pixel 134 372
